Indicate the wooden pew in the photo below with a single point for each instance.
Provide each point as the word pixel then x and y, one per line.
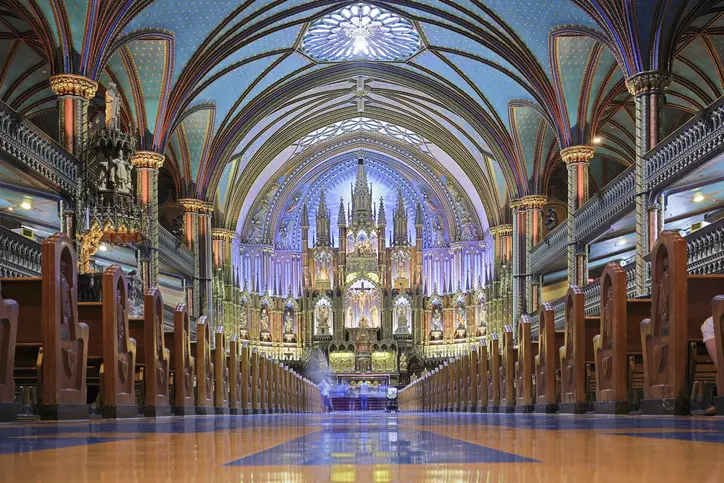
pixel 618 342
pixel 152 355
pixel 527 350
pixel 51 344
pixel 246 381
pixel 445 386
pixel 717 310
pixel 235 377
pixel 493 375
pixel 183 363
pixel 507 372
pixel 482 377
pixel 454 399
pixel 576 353
pixel 8 334
pixel 222 379
pixel 205 368
pixel 671 338
pixel 256 383
pixel 463 384
pixel 472 380
pixel 547 362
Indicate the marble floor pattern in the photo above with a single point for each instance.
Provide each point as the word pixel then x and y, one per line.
pixel 371 447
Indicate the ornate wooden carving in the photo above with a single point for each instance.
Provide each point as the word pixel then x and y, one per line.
pixel 245 378
pixel 157 358
pixel 494 374
pixel 482 375
pixel 256 383
pixel 235 376
pixel 717 309
pixel 8 334
pixel 222 381
pixel 205 365
pixel 576 351
pixel 507 370
pixel 182 361
pixel 472 382
pixel 524 365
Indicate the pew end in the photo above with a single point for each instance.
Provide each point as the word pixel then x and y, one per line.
pixel 717 311
pixel 8 340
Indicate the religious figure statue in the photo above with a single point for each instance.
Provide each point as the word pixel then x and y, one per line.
pixel 322 319
pixel 436 319
pixel 264 320
pixel 468 230
pixel 461 320
pixel 288 322
pixel 113 102
pixel 439 240
pixel 402 323
pixel 243 320
pixel 254 234
pixel 120 174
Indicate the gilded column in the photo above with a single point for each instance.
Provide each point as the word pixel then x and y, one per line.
pixel 527 222
pixel 502 236
pixel 648 90
pixel 222 262
pixel 197 222
pixel 577 159
pixel 147 164
pixel 74 93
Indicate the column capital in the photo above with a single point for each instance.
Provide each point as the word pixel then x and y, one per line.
pixel 501 230
pixel 649 81
pixel 577 154
pixel 530 202
pixel 73 85
pixel 222 234
pixel 193 205
pixel 148 159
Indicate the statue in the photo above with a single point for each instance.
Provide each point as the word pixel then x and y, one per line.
pixel 403 362
pixel 120 174
pixel 402 323
pixel 254 231
pixel 468 230
pixel 243 321
pixel 439 240
pixel 322 319
pixel 288 322
pixel 264 320
pixel 436 319
pixel 113 101
pixel 461 320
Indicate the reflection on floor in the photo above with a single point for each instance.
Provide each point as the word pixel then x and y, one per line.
pixel 375 447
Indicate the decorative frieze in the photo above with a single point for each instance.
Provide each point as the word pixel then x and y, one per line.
pixel 148 160
pixel 73 85
pixel 647 82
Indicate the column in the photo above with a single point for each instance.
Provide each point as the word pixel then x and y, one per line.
pixel 74 93
pixel 502 236
pixel 197 223
pixel 577 159
pixel 647 88
pixel 527 222
pixel 222 243
pixel 147 164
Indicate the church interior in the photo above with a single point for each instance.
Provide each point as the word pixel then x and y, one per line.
pixel 323 240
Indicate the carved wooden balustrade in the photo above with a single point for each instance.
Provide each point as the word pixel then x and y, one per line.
pixel 26 145
pixel 174 254
pixel 19 256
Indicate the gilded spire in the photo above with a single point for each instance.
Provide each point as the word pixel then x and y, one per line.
pixel 305 215
pixel 381 217
pixel 341 219
pixel 418 215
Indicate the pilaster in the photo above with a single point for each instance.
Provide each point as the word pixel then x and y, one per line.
pixel 147 164
pixel 577 159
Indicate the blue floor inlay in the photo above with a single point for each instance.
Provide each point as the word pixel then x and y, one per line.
pixel 376 445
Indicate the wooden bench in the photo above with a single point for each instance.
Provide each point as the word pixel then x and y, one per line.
pixel 576 353
pixel 152 355
pixel 183 363
pixel 222 379
pixel 507 372
pixel 717 311
pixel 235 379
pixel 547 362
pixel 482 382
pixel 246 381
pixel 51 344
pixel 256 383
pixel 111 351
pixel 8 334
pixel 493 375
pixel 204 368
pixel 527 350
pixel 671 338
pixel 472 380
pixel 617 348
pixel 453 399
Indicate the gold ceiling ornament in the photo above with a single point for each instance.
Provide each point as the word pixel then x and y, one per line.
pixel 193 205
pixel 148 159
pixel 501 230
pixel 577 154
pixel 223 234
pixel 73 85
pixel 89 241
pixel 649 81
pixel 529 202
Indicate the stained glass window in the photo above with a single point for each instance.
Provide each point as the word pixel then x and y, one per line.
pixel 361 32
pixel 362 124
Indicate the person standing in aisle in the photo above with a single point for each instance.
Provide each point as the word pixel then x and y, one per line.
pixel 363 395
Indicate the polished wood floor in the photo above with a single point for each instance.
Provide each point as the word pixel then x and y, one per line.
pixel 371 447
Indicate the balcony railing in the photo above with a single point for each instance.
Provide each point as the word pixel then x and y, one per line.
pixel 26 144
pixel 551 248
pixel 174 254
pixel 19 256
pixel 688 148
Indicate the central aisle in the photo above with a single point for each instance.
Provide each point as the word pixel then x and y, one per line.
pixel 372 447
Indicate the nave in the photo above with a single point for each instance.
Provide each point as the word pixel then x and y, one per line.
pixel 370 447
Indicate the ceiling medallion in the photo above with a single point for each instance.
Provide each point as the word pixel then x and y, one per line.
pixel 361 32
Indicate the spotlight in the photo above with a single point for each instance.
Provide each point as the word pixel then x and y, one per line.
pixel 26 205
pixel 597 140
pixel 103 247
pixel 698 198
pixel 621 242
pixel 10 208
